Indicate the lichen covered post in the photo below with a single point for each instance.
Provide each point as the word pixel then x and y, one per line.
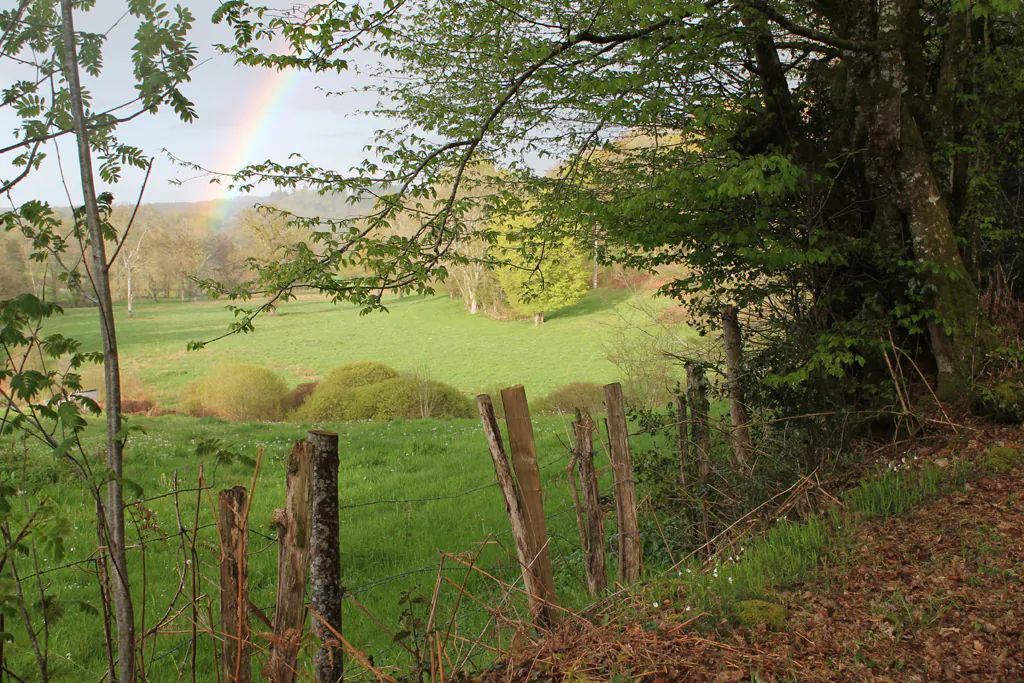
pixel 325 558
pixel 593 537
pixel 293 522
pixel 234 585
pixel 630 552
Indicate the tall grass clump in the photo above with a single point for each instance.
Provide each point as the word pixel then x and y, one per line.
pixel 238 392
pixel 894 492
pixel 786 555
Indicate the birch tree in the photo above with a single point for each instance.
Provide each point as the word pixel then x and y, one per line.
pixel 40 44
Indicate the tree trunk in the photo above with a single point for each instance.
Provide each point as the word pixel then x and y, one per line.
pixel 538 319
pixel 130 294
pixel 734 378
pixel 953 295
pixel 474 305
pixel 112 374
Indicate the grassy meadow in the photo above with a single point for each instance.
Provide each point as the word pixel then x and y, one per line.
pixel 410 490
pixel 387 547
pixel 311 336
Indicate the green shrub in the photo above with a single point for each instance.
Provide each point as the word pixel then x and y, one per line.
pixel 359 374
pixel 567 399
pixel 237 392
pixel 1003 403
pixel 331 399
pixel 372 391
pixel 407 397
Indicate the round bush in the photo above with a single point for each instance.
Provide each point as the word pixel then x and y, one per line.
pixel 410 398
pixel 331 398
pixel 570 397
pixel 359 374
pixel 240 393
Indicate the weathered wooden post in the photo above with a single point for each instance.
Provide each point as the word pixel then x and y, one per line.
pixel 593 537
pixel 524 463
pixel 682 440
pixel 539 607
pixel 293 524
pixel 234 585
pixel 630 557
pixel 325 558
pixel 740 435
pixel 700 427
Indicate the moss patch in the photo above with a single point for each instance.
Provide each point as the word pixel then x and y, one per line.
pixel 1002 458
pixel 1003 403
pixel 754 612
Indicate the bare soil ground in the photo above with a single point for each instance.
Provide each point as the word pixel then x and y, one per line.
pixel 937 595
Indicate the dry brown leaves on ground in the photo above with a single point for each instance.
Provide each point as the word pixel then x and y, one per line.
pixel 933 596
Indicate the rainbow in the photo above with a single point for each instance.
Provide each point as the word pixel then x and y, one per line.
pixel 244 147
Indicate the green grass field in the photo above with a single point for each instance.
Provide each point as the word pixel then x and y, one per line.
pixel 398 461
pixel 391 538
pixel 310 336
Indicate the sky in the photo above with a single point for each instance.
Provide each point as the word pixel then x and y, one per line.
pixel 245 115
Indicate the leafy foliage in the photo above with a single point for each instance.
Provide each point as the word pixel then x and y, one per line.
pixel 241 392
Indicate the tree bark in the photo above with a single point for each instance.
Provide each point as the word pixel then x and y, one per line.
pixel 130 293
pixel 740 435
pixel 953 295
pixel 112 372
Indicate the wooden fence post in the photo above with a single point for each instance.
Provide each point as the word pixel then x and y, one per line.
pixel 325 558
pixel 740 435
pixel 293 523
pixel 682 439
pixel 700 427
pixel 524 463
pixel 592 537
pixel 539 607
pixel 630 557
pixel 234 586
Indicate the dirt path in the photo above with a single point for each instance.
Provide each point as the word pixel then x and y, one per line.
pixel 937 595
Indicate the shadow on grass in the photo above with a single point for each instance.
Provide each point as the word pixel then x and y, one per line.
pixel 594 301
